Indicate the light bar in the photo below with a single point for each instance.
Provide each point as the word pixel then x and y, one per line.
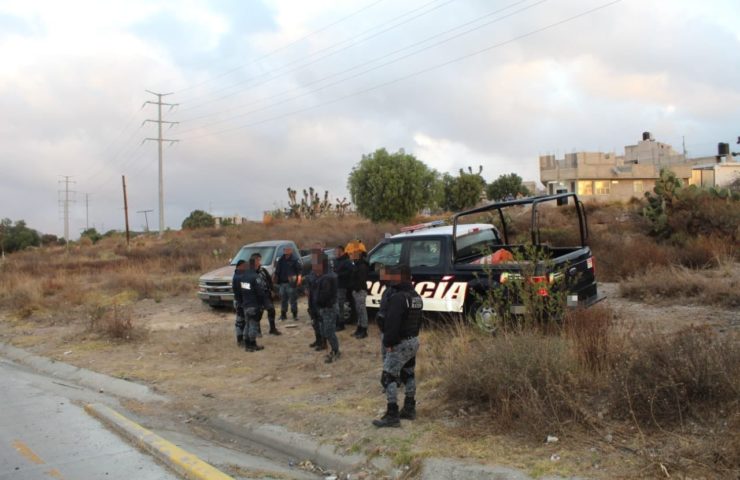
pixel 421 226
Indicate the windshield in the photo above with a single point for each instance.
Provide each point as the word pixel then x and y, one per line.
pixel 477 243
pixel 246 252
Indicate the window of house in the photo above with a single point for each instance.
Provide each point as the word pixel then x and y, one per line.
pixel 638 186
pixel 602 187
pixel 585 187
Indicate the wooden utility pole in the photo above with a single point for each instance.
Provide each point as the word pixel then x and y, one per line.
pixel 125 209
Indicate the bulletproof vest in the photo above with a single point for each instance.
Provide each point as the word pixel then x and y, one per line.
pixel 414 307
pixel 252 288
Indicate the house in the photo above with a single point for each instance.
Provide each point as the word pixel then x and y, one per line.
pixel 601 176
pixel 715 175
pixel 232 220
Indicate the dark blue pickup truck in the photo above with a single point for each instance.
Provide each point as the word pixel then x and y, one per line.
pixel 455 266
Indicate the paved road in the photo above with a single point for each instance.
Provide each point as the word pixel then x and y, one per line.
pixel 44 435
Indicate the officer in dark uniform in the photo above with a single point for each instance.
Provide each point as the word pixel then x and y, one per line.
pixel 267 280
pixel 287 276
pixel 240 322
pixel 400 327
pixel 325 299
pixel 310 283
pixel 253 302
pixel 343 269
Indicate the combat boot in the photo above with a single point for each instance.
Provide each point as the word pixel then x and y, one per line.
pixel 251 346
pixel 322 345
pixel 357 331
pixel 390 419
pixel 332 357
pixel 273 328
pixel 408 412
pixel 240 340
pixel 362 333
pixel 316 342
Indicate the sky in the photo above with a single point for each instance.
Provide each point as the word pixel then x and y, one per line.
pixel 272 94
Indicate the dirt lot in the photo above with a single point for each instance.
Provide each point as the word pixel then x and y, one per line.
pixel 187 351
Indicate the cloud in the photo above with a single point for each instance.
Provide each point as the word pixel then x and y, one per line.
pixel 73 75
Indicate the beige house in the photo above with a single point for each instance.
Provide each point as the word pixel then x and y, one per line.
pixel 233 220
pixel 604 176
pixel 719 175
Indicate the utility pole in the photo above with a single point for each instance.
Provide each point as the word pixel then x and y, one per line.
pixel 146 218
pixel 159 140
pixel 125 209
pixel 65 202
pixel 87 211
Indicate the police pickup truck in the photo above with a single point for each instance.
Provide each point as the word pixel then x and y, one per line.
pixel 455 266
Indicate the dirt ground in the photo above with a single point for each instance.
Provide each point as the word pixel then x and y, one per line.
pixel 189 354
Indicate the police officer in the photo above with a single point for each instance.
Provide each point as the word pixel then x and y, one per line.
pixel 267 280
pixel 253 301
pixel 343 269
pixel 358 283
pixel 287 276
pixel 325 299
pixel 310 283
pixel 400 327
pixel 240 322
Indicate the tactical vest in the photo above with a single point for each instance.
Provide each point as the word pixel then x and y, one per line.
pixel 414 308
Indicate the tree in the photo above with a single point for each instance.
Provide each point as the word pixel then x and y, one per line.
pixel 49 239
pixel 463 191
pixel 506 185
pixel 391 186
pixel 199 219
pixel 18 236
pixel 92 234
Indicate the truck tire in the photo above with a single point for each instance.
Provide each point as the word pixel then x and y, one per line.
pixel 485 317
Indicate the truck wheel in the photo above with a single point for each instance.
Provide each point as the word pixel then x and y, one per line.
pixel 484 317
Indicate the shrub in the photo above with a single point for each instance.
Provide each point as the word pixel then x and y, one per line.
pixel 664 378
pixel 114 322
pixel 527 379
pixel 590 331
pixel 620 256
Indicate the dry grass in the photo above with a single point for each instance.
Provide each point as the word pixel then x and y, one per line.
pixel 524 380
pixel 54 279
pixel 670 390
pixel 720 287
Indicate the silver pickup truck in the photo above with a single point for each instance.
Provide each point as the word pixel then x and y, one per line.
pixel 214 288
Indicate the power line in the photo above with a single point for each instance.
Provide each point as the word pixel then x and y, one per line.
pixel 358 41
pixel 159 141
pixel 284 47
pixel 385 64
pixel 121 146
pixel 418 72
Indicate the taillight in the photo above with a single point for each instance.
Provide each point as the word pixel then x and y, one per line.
pixel 590 264
pixel 542 291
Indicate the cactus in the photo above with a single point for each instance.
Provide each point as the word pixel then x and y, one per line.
pixel 312 205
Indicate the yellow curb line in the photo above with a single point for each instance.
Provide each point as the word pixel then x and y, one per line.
pixel 182 462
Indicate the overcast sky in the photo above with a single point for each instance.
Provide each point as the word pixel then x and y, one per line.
pixel 289 93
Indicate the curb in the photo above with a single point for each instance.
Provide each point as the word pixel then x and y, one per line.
pixel 296 445
pixel 174 457
pixel 94 380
